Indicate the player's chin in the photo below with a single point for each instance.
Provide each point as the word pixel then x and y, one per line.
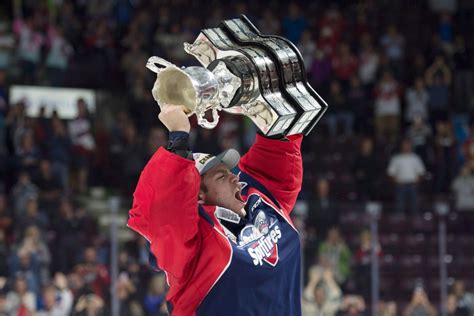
pixel 238 203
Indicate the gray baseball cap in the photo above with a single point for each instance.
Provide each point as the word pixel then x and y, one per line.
pixel 204 162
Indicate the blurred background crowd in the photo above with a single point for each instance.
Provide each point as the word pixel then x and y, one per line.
pixel 399 80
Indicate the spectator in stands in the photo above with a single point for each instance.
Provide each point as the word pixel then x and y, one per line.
pixel 155 298
pixel 269 23
pixel 22 191
pixel 445 156
pixel 3 303
pixel 322 295
pixel 95 274
pixel 463 76
pixel 59 52
pixel 344 64
pixel 28 154
pixel 468 148
pixel 393 44
pixel 419 133
pixel 454 308
pixel 3 115
pixel 307 48
pixel 80 131
pixel 438 79
pixel 30 44
pixel 6 223
pixel 368 61
pixel 57 299
pixel 463 298
pixel 4 252
pixel 20 300
pixel 132 276
pixel 173 41
pixel 135 57
pixel 321 70
pixel 7 45
pixel 205 139
pixel 388 309
pixel 137 249
pixel 88 222
pixel 141 96
pixel 31 215
pixel 126 292
pixel 445 32
pixel 366 170
pixel 67 239
pixel 59 151
pixel 406 169
pixel 332 26
pixel 27 264
pixel 34 244
pixel 358 104
pixel 16 125
pixel 323 212
pixel 99 43
pixel 420 305
pixel 89 305
pixel 463 189
pixel 417 66
pixel 362 260
pixel 352 306
pixel 334 249
pixel 294 24
pixel 387 108
pixel 131 157
pixel 341 111
pixel 49 188
pixel 417 99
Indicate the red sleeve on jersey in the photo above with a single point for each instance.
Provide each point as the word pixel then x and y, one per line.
pixel 165 211
pixel 278 166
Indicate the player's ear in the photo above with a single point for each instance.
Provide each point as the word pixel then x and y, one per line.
pixel 201 197
pixel 202 193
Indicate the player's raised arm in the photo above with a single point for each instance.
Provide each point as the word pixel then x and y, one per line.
pixel 165 203
pixel 276 164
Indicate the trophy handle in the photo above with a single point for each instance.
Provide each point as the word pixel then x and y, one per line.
pixel 152 61
pixel 202 121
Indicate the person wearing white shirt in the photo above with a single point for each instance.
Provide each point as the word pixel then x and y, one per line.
pixel 417 101
pixel 406 169
pixel 463 189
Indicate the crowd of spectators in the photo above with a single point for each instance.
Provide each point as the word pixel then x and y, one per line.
pixel 393 76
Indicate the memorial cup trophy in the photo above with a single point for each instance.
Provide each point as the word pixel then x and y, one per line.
pixel 244 72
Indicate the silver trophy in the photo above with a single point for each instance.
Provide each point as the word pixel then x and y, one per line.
pixel 244 72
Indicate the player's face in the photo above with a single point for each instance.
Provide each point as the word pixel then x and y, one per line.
pixel 222 188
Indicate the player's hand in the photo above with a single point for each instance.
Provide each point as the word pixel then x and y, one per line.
pixel 174 118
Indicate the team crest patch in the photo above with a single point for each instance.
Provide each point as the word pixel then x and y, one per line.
pixel 261 239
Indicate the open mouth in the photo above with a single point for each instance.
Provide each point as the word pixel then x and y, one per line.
pixel 238 196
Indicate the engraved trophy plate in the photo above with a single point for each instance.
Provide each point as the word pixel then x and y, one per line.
pixel 290 67
pixel 244 72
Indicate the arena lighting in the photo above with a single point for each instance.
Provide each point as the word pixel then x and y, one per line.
pixel 441 208
pixel 373 208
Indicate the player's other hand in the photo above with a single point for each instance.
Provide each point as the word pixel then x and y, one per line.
pixel 174 118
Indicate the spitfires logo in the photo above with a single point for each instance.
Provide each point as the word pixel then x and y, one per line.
pixel 261 239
